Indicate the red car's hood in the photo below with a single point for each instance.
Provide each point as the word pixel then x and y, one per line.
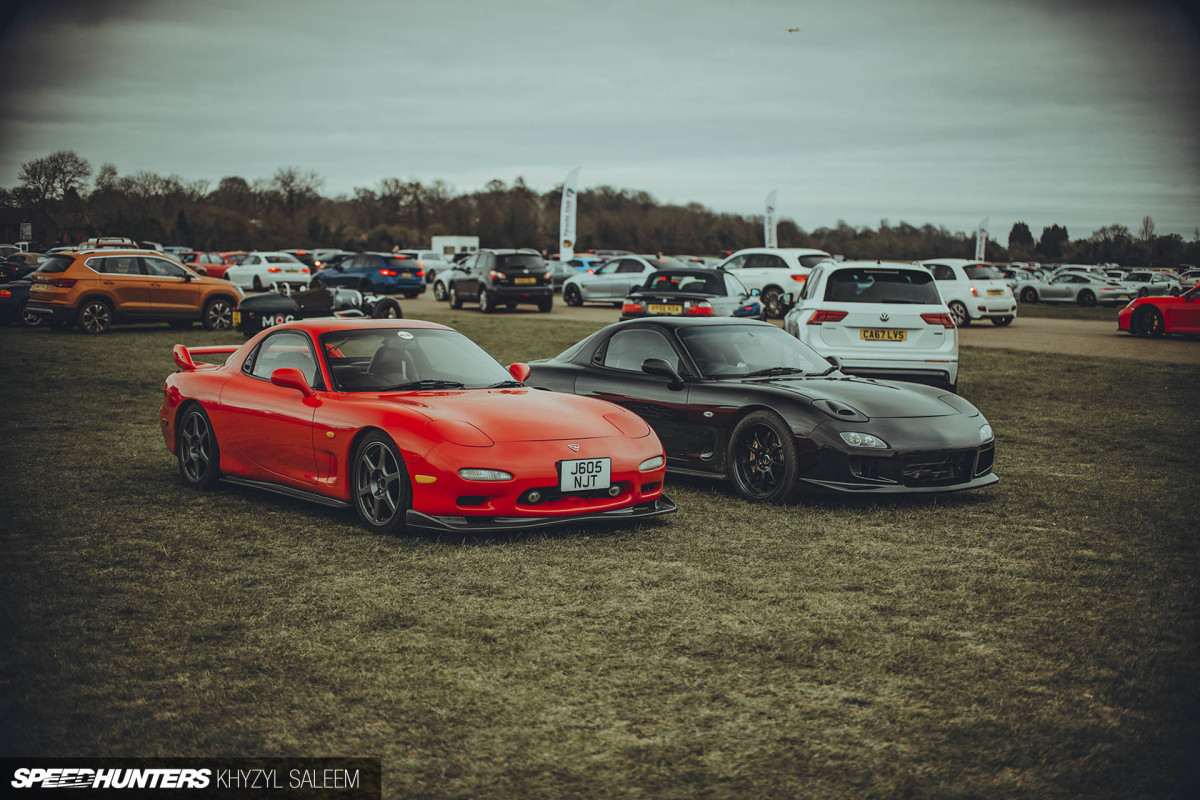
pixel 517 415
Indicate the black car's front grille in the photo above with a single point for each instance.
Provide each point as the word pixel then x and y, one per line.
pixel 937 469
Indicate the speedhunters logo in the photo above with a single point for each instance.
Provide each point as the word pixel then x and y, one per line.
pixel 198 777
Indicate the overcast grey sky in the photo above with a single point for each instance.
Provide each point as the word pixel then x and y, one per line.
pixel 939 111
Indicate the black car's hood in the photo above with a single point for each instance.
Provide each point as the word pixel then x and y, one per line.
pixel 835 394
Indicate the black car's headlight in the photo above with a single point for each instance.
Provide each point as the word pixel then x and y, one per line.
pixel 855 439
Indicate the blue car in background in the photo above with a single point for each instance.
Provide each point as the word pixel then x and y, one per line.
pixel 375 273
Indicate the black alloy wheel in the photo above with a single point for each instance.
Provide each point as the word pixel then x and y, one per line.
pixel 387 308
pixel 29 319
pixel 958 313
pixel 1029 295
pixel 1086 298
pixel 762 458
pixel 382 493
pixel 257 284
pixel 218 315
pixel 95 316
pixel 572 296
pixel 197 450
pixel 1148 321
pixel 1143 291
pixel 770 299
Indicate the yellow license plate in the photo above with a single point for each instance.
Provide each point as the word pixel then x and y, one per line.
pixel 883 335
pixel 237 318
pixel 995 292
pixel 659 308
pixel 524 280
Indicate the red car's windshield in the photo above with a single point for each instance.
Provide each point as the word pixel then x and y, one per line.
pixel 408 359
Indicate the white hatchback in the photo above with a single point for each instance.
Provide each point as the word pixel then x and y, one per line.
pixel 774 271
pixel 881 320
pixel 973 290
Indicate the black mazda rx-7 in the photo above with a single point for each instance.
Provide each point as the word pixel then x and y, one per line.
pixel 742 399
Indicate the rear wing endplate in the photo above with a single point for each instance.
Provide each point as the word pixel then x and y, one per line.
pixel 184 355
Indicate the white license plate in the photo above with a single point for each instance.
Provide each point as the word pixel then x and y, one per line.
pixel 584 474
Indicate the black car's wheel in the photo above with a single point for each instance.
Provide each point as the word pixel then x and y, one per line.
pixel 545 305
pixel 387 308
pixel 1002 322
pixel 257 285
pixel 316 283
pixel 771 304
pixel 1029 295
pixel 218 315
pixel 180 324
pixel 1147 321
pixel 572 296
pixel 382 493
pixel 439 291
pixel 197 450
pixel 486 304
pixel 958 313
pixel 1086 298
pixel 29 319
pixel 762 458
pixel 455 300
pixel 95 316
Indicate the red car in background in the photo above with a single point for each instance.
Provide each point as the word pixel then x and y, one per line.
pixel 410 423
pixel 1157 316
pixel 228 259
pixel 206 263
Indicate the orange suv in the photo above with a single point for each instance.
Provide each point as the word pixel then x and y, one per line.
pixel 95 288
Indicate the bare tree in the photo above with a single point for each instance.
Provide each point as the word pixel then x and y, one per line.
pixel 1146 232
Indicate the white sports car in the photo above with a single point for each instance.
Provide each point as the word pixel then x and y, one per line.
pixel 259 270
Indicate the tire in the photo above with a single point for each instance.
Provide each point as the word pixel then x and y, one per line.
pixel 197 450
pixel 365 286
pixel 180 324
pixel 1147 321
pixel 316 283
pixel 572 296
pixel 1175 291
pixel 455 300
pixel 439 291
pixel 411 295
pixel 1086 298
pixel 761 458
pixel 30 320
pixel 387 308
pixel 486 304
pixel 1029 295
pixel 95 316
pixel 1002 322
pixel 1143 291
pixel 257 284
pixel 772 307
pixel 380 486
pixel 218 315
pixel 958 313
pixel 546 305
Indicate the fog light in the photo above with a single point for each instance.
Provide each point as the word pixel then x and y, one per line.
pixel 614 490
pixel 855 439
pixel 650 464
pixel 484 475
pixel 534 496
pixel 985 433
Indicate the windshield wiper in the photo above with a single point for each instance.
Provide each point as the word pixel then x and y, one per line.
pixel 769 371
pixel 431 384
pixel 504 385
pixel 898 300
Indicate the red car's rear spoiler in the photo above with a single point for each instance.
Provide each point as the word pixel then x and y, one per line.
pixel 183 355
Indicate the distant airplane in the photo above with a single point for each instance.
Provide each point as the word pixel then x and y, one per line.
pixel 793 30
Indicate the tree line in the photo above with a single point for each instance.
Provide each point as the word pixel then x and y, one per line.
pixel 67 204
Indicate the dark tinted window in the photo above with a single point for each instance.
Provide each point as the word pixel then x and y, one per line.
pixel 515 261
pixel 765 261
pixel 158 266
pixel 697 282
pixel 812 261
pixel 403 263
pixel 56 264
pixel 978 272
pixel 881 286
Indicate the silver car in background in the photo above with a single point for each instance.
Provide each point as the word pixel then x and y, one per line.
pixel 613 282
pixel 1086 289
pixel 1150 282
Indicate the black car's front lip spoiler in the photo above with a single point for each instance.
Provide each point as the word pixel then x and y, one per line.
pixel 896 488
pixel 464 524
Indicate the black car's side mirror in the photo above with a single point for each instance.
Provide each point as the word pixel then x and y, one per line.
pixel 662 368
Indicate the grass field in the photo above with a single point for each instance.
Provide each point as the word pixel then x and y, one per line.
pixel 1035 639
pixel 1069 311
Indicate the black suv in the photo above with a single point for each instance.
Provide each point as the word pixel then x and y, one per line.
pixel 503 277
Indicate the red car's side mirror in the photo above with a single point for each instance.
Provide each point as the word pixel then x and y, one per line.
pixel 519 371
pixel 292 378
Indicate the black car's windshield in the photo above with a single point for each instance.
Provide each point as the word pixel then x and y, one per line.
pixel 408 359
pixel 882 286
pixel 739 351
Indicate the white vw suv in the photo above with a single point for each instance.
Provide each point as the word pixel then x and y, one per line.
pixel 881 320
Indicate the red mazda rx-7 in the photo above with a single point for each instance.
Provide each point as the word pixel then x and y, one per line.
pixel 409 422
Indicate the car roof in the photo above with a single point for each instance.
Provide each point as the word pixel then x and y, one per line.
pixel 800 251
